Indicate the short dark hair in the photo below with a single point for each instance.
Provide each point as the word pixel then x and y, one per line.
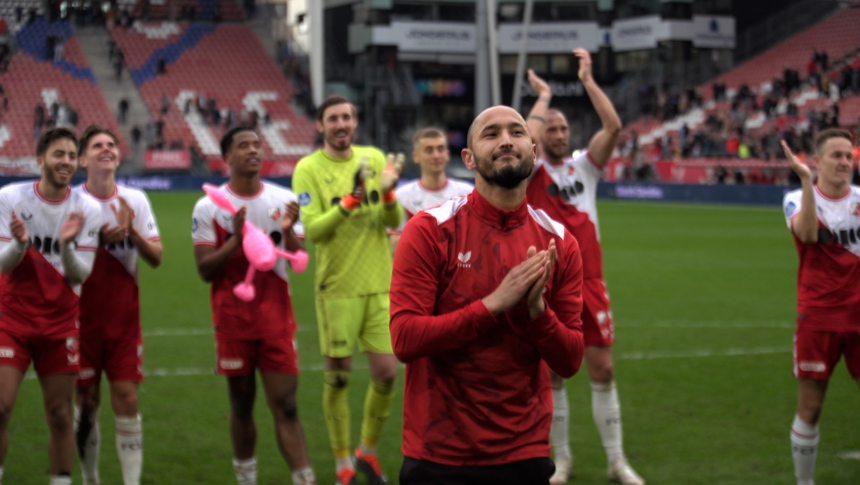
pixel 429 132
pixel 334 100
pixel 829 133
pixel 88 135
pixel 50 136
pixel 227 139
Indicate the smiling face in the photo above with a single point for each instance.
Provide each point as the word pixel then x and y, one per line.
pixel 101 153
pixel 59 163
pixel 337 125
pixel 556 136
pixel 431 154
pixel 245 156
pixel 835 164
pixel 500 147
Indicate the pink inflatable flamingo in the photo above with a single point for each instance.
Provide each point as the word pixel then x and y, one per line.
pixel 259 249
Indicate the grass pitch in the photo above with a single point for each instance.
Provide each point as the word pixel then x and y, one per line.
pixel 703 299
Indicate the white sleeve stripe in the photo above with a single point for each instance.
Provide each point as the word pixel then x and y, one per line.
pixel 447 210
pixel 546 222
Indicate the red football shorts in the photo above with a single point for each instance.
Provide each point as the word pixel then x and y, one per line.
pixel 240 357
pixel 817 353
pixel 120 359
pixel 50 356
pixel 596 316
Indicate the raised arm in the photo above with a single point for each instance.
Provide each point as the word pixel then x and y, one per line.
pixel 536 119
pixel 604 141
pixel 804 225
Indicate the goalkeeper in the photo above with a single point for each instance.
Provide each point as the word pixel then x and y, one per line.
pixel 346 195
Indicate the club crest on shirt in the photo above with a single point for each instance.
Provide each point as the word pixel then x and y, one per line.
pixel 571 169
pixel 274 213
pixel 855 209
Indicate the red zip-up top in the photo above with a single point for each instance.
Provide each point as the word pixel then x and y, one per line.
pixel 477 388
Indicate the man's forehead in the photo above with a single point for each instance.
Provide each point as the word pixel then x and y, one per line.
pixel 338 109
pixel 499 115
pixel 62 144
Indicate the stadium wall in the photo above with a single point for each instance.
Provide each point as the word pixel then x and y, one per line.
pixel 709 194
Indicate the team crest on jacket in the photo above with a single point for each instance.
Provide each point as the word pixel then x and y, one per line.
pixel 855 209
pixel 274 213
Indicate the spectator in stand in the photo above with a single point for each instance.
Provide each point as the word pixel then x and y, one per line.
pixel 135 136
pixel 118 65
pixel 161 65
pixel 123 109
pixel 165 104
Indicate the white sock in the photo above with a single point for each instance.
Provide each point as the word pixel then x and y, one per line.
pixel 246 471
pixel 367 450
pixel 607 417
pixel 61 480
pixel 90 458
pixel 804 447
pixel 558 432
pixel 341 463
pixel 305 476
pixel 129 448
pixel 1 474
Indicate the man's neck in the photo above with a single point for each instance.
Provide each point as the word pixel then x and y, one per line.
pixel 501 198
pixel 555 162
pixel 434 181
pixel 332 152
pixel 51 191
pixel 101 187
pixel 832 191
pixel 245 185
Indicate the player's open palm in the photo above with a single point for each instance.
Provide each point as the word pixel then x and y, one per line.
pixel 239 221
pixel 534 298
pixel 800 168
pixel 71 227
pixel 19 230
pixel 517 282
pixel 584 63
pixel 291 215
pixel 124 214
pixel 537 83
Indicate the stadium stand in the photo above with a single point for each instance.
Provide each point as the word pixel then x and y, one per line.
pixel 186 10
pixel 34 77
pixel 800 110
pixel 226 65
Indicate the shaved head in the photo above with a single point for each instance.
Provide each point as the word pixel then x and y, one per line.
pixel 480 120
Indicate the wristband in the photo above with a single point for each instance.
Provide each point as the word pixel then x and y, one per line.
pixel 538 118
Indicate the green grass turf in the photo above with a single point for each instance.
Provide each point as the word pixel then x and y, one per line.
pixel 703 299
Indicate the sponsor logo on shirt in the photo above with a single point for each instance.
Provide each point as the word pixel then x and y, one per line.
pixel 86 373
pixel 25 216
pixel 7 353
pixel 231 364
pixel 304 199
pixel 464 259
pixel 813 366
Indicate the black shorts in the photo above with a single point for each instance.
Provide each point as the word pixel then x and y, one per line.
pixel 535 471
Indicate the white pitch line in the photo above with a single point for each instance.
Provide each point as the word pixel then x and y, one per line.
pixel 190 332
pixel 707 325
pixel 199 371
pixel 701 353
